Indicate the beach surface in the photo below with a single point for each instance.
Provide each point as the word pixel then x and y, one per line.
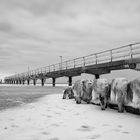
pixel 52 118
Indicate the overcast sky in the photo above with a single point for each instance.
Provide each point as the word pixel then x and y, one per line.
pixel 35 33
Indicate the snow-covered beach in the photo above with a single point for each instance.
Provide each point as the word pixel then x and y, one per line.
pixel 52 118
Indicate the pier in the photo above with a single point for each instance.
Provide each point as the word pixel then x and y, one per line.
pixel 124 57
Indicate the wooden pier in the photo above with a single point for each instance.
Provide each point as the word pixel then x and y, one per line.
pixel 125 57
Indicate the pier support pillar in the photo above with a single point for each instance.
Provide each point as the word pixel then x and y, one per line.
pixel 20 82
pixel 34 81
pixel 70 80
pixel 23 82
pixel 53 82
pixel 42 81
pixel 28 82
pixel 16 81
pixel 97 76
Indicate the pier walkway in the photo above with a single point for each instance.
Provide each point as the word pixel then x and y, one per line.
pixel 125 57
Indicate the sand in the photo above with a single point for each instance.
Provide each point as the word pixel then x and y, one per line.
pixel 52 118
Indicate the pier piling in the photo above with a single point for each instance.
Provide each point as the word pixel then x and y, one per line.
pixel 53 82
pixel 70 80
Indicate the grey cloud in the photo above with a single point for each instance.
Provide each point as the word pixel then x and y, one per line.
pixel 38 7
pixel 6 27
pixel 36 32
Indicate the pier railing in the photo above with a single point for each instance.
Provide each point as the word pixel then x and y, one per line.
pixel 127 52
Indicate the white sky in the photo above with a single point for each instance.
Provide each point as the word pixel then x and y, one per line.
pixel 35 33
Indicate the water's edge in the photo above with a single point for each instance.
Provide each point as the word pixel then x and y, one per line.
pixel 15 96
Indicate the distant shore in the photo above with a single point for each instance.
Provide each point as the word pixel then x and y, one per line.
pixel 38 84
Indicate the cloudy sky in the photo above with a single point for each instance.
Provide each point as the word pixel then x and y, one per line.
pixel 35 33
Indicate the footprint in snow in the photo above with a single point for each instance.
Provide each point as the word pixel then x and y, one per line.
pixel 94 136
pixel 85 128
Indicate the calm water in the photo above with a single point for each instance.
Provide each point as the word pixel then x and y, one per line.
pixel 13 95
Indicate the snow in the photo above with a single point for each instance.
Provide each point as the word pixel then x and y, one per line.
pixel 52 118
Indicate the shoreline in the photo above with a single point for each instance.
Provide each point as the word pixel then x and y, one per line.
pixel 17 96
pixel 18 101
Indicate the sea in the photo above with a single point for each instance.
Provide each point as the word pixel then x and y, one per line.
pixel 16 95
